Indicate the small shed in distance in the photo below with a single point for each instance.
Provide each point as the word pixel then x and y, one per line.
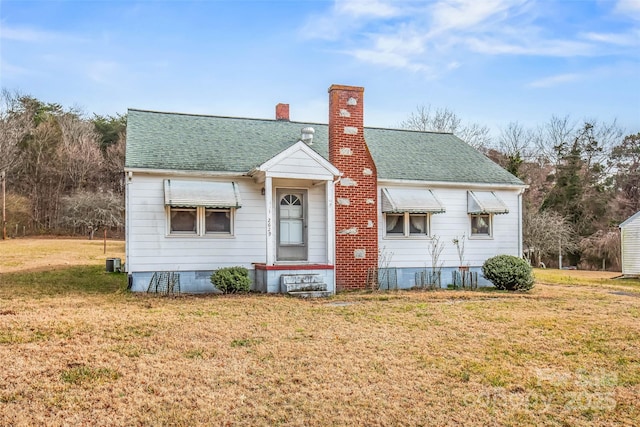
pixel 630 241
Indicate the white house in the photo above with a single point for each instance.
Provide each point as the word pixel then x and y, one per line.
pixel 630 240
pixel 306 202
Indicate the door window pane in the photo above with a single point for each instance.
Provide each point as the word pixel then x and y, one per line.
pixel 291 220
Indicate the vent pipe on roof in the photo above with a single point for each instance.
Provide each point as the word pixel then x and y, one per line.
pixel 307 135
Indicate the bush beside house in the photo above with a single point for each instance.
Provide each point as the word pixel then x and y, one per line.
pixel 231 280
pixel 508 272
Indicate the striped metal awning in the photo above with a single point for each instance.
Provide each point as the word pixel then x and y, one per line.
pixel 485 202
pixel 201 193
pixel 410 200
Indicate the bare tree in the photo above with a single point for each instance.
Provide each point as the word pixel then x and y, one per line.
pixel 92 211
pixel 114 157
pixel 550 137
pixel 445 120
pixel 514 138
pixel 625 162
pixel 40 175
pixel 601 249
pixel 80 150
pixel 514 144
pixel 546 233
pixel 15 123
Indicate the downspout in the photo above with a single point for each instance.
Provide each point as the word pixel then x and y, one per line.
pixel 520 253
pixel 127 213
pixel 336 181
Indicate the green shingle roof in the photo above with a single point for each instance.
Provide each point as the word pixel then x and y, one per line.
pixel 225 144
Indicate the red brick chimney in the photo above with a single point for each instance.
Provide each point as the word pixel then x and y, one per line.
pixel 282 112
pixel 357 190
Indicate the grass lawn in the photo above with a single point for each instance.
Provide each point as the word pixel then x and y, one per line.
pixel 78 349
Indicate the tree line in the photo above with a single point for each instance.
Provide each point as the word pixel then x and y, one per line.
pixel 583 180
pixel 63 169
pixel 64 174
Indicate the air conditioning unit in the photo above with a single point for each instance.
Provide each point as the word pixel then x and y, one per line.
pixel 114 265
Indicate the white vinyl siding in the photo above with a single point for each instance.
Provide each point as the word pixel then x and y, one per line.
pixel 299 166
pixel 151 249
pixel 455 222
pixel 630 239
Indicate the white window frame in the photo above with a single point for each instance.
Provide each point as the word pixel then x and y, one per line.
pixel 473 235
pixel 201 223
pixel 217 233
pixel 406 234
pixel 182 209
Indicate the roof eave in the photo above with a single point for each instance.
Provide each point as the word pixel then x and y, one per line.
pixel 464 185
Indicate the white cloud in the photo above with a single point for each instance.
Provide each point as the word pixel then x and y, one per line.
pixel 347 16
pixel 467 14
pixel 103 72
pixel 389 59
pixel 10 70
pixel 620 39
pixel 555 80
pixel 427 36
pixel 553 48
pixel 629 8
pixel 373 8
pixel 23 34
pixel 32 35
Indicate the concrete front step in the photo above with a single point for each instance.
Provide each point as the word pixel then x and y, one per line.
pixel 301 283
pixel 310 294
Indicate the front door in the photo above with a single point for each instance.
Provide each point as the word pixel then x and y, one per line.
pixel 292 225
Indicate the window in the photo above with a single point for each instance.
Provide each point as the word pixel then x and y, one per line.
pixel 200 208
pixel 395 225
pixel 184 221
pixel 200 221
pixel 407 225
pixel 481 225
pixel 217 221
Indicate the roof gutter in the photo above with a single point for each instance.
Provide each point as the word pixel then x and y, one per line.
pixel 463 185
pixel 180 172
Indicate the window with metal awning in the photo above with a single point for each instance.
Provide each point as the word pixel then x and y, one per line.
pixel 485 202
pixel 208 194
pixel 482 206
pixel 407 211
pixel 200 208
pixel 412 200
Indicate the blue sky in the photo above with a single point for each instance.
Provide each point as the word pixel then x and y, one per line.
pixel 490 61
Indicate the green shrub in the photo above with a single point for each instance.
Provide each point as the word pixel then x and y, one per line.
pixel 231 280
pixel 508 272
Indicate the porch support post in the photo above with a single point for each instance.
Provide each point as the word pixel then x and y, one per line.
pixel 271 226
pixel 331 222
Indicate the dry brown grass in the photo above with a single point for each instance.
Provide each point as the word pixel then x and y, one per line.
pixel 559 355
pixel 45 254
